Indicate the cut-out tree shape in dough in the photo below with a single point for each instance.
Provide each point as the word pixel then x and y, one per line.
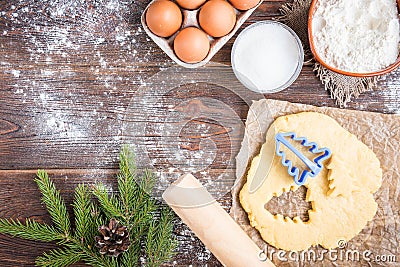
pixel 341 195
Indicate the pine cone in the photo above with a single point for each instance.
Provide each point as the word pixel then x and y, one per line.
pixel 114 239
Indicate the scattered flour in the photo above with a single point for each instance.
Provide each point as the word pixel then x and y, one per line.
pixel 62 43
pixel 357 35
pixel 16 73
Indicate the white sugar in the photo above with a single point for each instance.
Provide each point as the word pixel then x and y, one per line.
pixel 266 56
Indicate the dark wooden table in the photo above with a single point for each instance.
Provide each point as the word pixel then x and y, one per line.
pixel 69 70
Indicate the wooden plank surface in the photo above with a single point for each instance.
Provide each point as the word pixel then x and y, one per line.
pixel 70 71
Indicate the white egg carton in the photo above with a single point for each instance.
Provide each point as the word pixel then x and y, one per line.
pixel 190 19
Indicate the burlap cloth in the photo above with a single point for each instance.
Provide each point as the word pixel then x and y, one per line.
pixel 342 88
pixel 381 133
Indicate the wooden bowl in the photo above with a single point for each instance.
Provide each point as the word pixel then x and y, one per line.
pixel 354 74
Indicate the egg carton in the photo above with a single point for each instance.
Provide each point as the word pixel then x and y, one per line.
pixel 190 19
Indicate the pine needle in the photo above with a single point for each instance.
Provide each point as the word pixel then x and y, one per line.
pixel 143 205
pixel 159 244
pixel 96 219
pixel 109 205
pixel 82 211
pixel 131 257
pixel 58 258
pixel 54 203
pixel 127 184
pixel 31 230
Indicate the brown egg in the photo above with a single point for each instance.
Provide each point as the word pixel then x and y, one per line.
pixel 190 4
pixel 164 18
pixel 244 4
pixel 191 45
pixel 217 18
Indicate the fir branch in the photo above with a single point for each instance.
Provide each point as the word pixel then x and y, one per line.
pixel 96 219
pixel 109 205
pixel 31 230
pixel 54 203
pixel 82 211
pixel 90 255
pixel 133 207
pixel 100 261
pixel 134 193
pixel 160 246
pixel 147 182
pixel 59 258
pixel 127 184
pixel 144 206
pixel 131 257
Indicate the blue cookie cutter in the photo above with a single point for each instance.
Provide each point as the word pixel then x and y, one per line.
pixel 315 166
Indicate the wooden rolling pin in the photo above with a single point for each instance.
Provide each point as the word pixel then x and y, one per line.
pixel 209 221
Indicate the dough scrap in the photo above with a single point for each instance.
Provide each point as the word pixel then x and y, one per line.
pixel 341 195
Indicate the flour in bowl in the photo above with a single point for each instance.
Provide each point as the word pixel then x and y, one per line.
pixel 356 35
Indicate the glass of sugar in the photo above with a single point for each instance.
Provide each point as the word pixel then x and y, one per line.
pixel 267 57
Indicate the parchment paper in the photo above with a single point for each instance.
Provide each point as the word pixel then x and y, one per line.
pixel 378 242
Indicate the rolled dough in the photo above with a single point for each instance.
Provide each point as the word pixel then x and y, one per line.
pixel 341 195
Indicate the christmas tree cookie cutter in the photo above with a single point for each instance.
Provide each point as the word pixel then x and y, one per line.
pixel 315 166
